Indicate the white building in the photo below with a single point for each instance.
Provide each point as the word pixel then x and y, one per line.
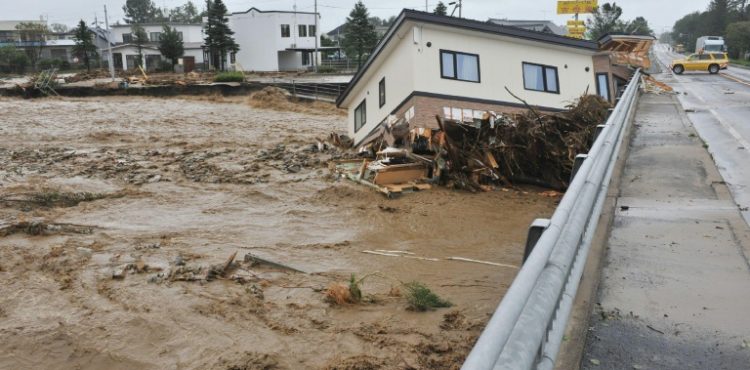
pixel 428 65
pixel 274 40
pixel 125 53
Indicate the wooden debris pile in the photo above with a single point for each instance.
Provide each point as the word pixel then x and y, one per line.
pixel 651 85
pixel 531 148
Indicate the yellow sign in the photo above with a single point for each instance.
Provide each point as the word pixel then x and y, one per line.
pixel 573 23
pixel 576 7
pixel 575 36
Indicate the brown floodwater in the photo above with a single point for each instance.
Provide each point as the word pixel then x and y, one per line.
pixel 175 186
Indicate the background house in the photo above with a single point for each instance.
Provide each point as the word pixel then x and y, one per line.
pixel 274 40
pixel 125 53
pixel 430 65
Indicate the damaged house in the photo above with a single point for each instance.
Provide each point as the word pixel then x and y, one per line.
pixel 429 65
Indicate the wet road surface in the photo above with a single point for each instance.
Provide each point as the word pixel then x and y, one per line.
pixel 673 292
pixel 718 107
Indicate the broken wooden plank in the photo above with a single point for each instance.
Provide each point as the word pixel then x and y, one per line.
pixel 253 259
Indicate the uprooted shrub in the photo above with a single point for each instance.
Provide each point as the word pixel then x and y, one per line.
pixel 421 298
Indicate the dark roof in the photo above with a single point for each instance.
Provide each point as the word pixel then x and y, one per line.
pixel 469 24
pixel 271 11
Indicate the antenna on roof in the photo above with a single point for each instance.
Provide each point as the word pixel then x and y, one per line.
pixel 457 5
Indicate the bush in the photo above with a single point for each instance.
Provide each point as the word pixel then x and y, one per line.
pixel 326 69
pixel 12 60
pixel 421 298
pixel 53 63
pixel 230 77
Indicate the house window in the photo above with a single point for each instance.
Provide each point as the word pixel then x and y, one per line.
pixel 538 77
pixel 232 58
pixel 360 115
pixel 602 85
pixel 305 58
pixel 459 66
pixel 154 36
pixel 311 30
pixel 302 30
pixel 179 35
pixel 285 30
pixel 381 92
pixel 127 37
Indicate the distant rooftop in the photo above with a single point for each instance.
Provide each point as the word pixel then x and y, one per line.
pixel 531 25
pixel 11 25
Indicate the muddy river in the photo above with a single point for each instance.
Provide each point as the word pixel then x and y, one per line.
pixel 119 218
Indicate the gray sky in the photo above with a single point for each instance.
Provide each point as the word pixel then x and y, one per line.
pixel 660 13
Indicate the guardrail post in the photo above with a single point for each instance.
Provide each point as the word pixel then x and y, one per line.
pixel 577 165
pixel 294 89
pixel 598 131
pixel 535 232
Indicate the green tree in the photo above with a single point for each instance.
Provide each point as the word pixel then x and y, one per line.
pixel 140 38
pixel 718 16
pixel 688 28
pixel 141 11
pixel 219 38
pixel 441 9
pixel 359 34
pixel 34 37
pixel 639 26
pixel 604 20
pixel 12 60
pixel 84 47
pixel 171 45
pixel 738 39
pixel 187 13
pixel 58 27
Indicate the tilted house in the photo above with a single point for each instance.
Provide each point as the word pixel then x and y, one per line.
pixel 428 65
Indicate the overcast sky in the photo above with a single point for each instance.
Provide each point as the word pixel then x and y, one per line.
pixel 660 13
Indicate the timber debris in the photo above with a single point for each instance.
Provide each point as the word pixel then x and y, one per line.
pixel 477 154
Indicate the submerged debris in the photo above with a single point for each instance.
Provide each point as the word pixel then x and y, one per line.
pixel 421 298
pixel 476 154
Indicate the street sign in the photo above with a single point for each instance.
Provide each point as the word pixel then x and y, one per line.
pixel 576 7
pixel 573 23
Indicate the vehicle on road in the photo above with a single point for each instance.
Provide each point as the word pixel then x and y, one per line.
pixel 711 62
pixel 710 44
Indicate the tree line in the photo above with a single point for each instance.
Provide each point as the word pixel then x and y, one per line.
pixel 727 18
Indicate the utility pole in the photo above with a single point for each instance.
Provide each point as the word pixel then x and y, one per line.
pixel 109 46
pixel 317 32
pixel 426 8
pixel 460 9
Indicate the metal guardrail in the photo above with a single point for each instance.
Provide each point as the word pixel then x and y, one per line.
pixel 526 330
pixel 314 91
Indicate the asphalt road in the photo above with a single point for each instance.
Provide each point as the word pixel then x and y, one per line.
pixel 719 108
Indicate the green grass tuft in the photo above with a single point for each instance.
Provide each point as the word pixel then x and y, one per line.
pixel 421 298
pixel 354 290
pixel 236 76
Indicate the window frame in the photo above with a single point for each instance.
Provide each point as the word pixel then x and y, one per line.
pixel 598 88
pixel 288 29
pixel 381 92
pixel 544 77
pixel 302 30
pixel 363 107
pixel 311 30
pixel 127 37
pixel 455 65
pixel 154 39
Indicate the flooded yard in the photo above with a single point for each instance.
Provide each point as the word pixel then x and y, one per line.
pixel 120 217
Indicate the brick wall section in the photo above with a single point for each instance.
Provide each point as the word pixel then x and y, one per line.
pixel 602 64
